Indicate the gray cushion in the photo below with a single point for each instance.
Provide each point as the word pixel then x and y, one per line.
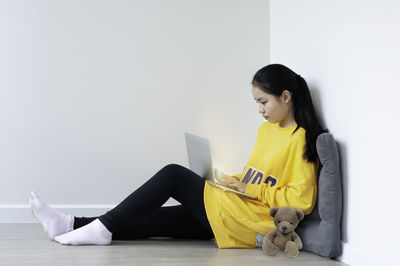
pixel 320 230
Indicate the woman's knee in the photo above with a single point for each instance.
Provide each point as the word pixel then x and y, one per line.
pixel 178 171
pixel 173 169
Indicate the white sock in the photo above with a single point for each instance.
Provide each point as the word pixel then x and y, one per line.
pixel 54 222
pixel 94 233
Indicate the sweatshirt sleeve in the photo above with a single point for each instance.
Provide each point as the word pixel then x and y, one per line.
pixel 298 196
pixel 300 191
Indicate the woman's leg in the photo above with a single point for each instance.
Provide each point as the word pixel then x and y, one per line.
pixel 174 181
pixel 171 181
pixel 167 221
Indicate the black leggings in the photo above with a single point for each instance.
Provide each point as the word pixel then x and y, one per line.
pixel 141 214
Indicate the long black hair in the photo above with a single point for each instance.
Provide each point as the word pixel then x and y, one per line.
pixel 276 78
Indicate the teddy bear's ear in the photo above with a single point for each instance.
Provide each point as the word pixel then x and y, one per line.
pixel 273 211
pixel 300 214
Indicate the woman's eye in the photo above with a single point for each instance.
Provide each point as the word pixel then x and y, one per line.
pixel 263 102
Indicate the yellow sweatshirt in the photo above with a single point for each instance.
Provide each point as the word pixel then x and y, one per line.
pixel 276 174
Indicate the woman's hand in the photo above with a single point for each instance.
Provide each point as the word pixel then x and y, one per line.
pixel 229 181
pixel 237 185
pixel 223 178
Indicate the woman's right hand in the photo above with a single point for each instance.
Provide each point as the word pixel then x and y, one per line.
pixel 223 178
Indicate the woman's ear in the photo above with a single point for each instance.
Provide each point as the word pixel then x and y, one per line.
pixel 286 96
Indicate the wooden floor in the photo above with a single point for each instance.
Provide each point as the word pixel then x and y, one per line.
pixel 27 244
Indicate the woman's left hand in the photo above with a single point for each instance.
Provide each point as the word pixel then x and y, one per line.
pixel 239 186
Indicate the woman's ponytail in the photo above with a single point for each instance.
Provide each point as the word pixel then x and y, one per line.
pixel 305 117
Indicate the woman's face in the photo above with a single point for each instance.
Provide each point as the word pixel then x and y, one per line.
pixel 274 109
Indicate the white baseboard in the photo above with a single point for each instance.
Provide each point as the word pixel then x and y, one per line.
pixel 355 257
pixel 21 213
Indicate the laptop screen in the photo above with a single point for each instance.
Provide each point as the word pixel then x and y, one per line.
pixel 199 156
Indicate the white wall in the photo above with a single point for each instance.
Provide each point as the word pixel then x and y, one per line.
pixel 348 51
pixel 95 96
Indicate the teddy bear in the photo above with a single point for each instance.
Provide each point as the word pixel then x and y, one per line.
pixel 284 237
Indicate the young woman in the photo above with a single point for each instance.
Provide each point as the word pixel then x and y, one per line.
pixel 281 171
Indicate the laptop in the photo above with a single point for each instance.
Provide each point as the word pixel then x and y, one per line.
pixel 199 158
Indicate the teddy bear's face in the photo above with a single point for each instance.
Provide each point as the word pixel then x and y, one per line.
pixel 286 219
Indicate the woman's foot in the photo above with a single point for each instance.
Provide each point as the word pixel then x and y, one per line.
pixel 94 233
pixel 54 222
